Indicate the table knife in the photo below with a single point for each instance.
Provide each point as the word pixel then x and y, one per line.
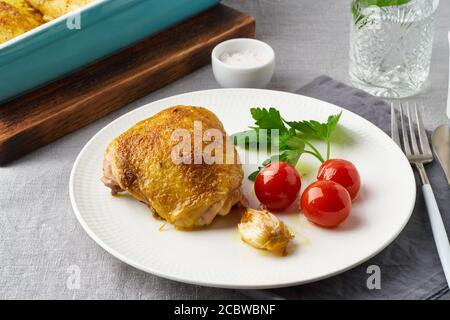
pixel 448 96
pixel 441 147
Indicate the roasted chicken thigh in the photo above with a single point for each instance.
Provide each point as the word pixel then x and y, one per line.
pixel 145 162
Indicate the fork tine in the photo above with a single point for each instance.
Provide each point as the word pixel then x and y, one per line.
pixel 394 126
pixel 424 144
pixel 412 133
pixel 406 147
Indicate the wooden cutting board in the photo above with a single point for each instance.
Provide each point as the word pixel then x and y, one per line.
pixel 48 113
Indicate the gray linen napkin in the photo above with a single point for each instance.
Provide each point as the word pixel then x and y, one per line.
pixel 410 267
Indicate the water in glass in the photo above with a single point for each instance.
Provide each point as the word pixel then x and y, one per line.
pixel 391 44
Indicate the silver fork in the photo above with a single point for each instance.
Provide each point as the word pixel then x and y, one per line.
pixel 418 157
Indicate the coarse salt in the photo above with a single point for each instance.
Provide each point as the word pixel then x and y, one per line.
pixel 245 59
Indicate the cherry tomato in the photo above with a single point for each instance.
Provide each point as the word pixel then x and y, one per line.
pixel 326 203
pixel 277 185
pixel 342 172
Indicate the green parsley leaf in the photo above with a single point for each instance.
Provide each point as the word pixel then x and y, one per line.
pixel 332 123
pixel 361 20
pixel 252 176
pixel 312 128
pixel 315 128
pixel 291 156
pixel 382 3
pixel 251 138
pixel 266 162
pixel 268 118
pixel 292 141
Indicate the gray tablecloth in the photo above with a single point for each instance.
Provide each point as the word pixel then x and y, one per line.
pixel 410 267
pixel 40 238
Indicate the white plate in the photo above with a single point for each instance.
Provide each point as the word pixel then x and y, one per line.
pixel 216 256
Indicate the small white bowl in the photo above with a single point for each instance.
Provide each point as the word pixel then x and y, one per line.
pixel 232 76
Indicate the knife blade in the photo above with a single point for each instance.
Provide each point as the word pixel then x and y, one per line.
pixel 441 147
pixel 448 96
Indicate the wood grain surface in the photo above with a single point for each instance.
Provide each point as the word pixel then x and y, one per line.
pixel 50 112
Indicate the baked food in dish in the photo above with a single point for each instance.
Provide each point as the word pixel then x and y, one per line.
pixel 186 194
pixel 52 9
pixel 17 17
pixel 20 16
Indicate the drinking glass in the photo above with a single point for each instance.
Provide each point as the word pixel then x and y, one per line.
pixel 391 43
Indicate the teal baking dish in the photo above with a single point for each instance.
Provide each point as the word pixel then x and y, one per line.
pixel 63 45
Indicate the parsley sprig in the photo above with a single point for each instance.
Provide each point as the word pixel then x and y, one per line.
pixel 362 20
pixel 295 138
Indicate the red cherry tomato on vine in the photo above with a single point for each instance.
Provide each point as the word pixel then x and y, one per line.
pixel 277 185
pixel 326 203
pixel 342 172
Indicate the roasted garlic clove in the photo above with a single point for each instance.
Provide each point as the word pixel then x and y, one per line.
pixel 263 230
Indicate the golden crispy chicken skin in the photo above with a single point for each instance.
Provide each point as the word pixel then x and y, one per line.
pixel 52 9
pixel 188 195
pixel 20 16
pixel 16 17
